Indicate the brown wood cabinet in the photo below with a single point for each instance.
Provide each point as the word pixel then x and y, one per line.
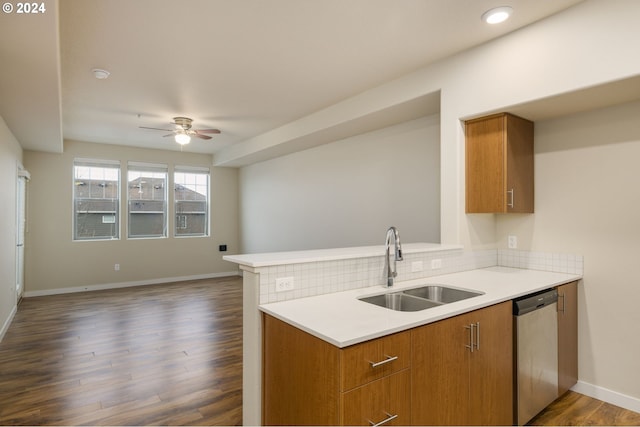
pixel 307 381
pixel 499 164
pixel 300 381
pixel 462 369
pixel 567 336
pixel 455 371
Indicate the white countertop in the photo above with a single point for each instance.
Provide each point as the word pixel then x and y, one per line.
pixel 342 320
pixel 297 257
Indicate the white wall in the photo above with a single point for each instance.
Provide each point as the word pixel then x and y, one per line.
pixel 346 193
pixel 55 262
pixel 588 202
pixel 593 43
pixel 10 156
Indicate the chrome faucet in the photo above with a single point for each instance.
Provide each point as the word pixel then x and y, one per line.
pixel 398 255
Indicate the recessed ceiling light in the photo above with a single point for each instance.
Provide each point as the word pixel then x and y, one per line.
pixel 497 14
pixel 100 74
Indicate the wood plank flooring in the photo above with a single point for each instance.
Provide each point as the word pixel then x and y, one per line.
pixel 574 409
pixel 169 354
pixel 166 354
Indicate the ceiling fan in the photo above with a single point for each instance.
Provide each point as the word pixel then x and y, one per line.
pixel 183 131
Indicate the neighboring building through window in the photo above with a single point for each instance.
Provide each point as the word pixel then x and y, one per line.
pixel 147 200
pixel 191 195
pixel 96 199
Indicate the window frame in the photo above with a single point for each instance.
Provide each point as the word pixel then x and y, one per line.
pixel 176 213
pixel 151 168
pixel 96 163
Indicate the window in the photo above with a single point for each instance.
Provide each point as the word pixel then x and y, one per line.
pixel 147 200
pixel 191 189
pixel 96 199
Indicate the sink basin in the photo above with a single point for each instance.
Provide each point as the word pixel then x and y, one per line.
pixel 400 301
pixel 420 298
pixel 442 294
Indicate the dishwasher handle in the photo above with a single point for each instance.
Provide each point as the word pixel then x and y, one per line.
pixel 536 301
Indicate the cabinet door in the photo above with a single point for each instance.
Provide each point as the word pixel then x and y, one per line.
pixel 485 165
pixel 452 385
pixel 519 164
pixel 300 377
pixel 491 373
pixel 386 399
pixel 440 372
pixel 567 336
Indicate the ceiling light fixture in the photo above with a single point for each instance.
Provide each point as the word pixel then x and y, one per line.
pixel 497 14
pixel 182 138
pixel 100 74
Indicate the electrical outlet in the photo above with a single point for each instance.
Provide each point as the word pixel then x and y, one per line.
pixel 284 284
pixel 116 267
pixel 436 264
pixel 416 266
pixel 512 242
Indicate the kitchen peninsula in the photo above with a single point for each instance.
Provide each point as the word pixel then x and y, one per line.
pixel 327 284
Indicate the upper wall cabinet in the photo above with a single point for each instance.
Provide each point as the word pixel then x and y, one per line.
pixel 499 164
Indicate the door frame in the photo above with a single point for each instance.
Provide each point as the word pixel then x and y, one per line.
pixel 22 180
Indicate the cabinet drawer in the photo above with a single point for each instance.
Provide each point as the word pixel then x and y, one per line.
pixel 371 360
pixel 387 399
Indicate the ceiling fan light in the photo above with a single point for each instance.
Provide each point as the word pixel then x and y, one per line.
pixel 182 138
pixel 497 15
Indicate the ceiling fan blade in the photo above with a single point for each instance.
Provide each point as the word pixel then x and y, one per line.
pixel 197 135
pixel 171 134
pixel 208 131
pixel 166 130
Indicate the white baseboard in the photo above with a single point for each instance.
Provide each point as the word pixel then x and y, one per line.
pixel 104 286
pixel 613 397
pixel 7 322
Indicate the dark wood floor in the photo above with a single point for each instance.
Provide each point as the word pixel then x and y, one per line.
pixel 157 355
pixel 169 354
pixel 574 409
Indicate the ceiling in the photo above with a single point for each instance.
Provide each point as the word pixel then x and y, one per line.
pixel 245 67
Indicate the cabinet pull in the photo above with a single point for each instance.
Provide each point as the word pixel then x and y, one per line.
pixel 477 335
pixel 510 204
pixel 387 360
pixel 561 310
pixel 386 420
pixel 471 334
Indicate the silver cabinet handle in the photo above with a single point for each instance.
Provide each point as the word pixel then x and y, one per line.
pixel 391 418
pixel 387 360
pixel 477 335
pixel 510 204
pixel 561 310
pixel 471 334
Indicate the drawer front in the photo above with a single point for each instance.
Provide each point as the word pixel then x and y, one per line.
pixel 386 401
pixel 372 360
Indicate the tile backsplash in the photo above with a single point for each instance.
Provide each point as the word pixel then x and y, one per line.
pixel 323 277
pixel 560 263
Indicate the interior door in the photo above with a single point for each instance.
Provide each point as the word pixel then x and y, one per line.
pixel 21 229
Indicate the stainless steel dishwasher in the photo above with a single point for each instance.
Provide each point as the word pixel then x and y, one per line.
pixel 536 366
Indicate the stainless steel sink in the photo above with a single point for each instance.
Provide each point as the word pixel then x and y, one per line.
pixel 400 301
pixel 442 294
pixel 421 298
